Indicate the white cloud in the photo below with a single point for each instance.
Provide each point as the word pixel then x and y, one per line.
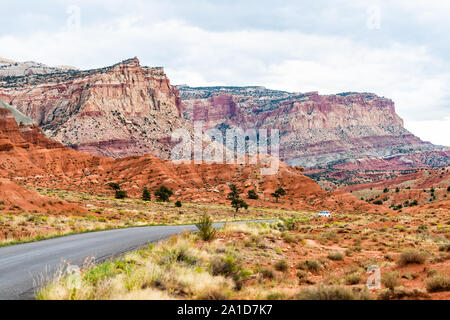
pixel 284 59
pixel 435 131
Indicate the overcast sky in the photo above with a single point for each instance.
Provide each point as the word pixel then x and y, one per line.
pixel 396 49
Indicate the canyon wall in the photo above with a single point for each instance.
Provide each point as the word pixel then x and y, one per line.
pixel 118 111
pixel 316 130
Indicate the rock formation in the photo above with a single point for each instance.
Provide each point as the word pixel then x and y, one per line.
pixel 122 110
pixel 10 68
pixel 33 164
pixel 315 129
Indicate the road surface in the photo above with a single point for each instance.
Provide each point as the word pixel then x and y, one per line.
pixel 24 267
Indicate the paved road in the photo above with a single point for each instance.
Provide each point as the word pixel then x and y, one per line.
pixel 25 266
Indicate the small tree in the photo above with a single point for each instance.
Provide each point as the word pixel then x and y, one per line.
pixel 237 204
pixel 163 194
pixel 252 194
pixel 386 190
pixel 146 194
pixel 119 194
pixel 278 193
pixel 114 185
pixel 234 192
pixel 178 204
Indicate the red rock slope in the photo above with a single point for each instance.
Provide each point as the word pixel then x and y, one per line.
pixel 33 165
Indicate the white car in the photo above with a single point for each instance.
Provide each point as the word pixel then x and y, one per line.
pixel 324 214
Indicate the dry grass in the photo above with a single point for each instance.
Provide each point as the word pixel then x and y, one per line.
pixel 323 292
pixel 276 261
pixel 174 269
pixel 438 283
pixel 411 256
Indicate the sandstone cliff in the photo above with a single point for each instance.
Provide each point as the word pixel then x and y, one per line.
pixel 122 110
pixel 316 130
pixel 10 68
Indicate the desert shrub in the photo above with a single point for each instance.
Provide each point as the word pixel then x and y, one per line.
pixel 289 238
pixel 289 223
pixel 323 292
pixel 120 194
pixel 385 294
pixel 379 202
pixel 353 278
pixel 310 265
pixel 438 282
pixel 267 273
pixel 445 247
pixel 226 266
pixel 252 194
pixel 163 193
pixel 281 265
pixel 206 230
pixel 178 204
pixel 276 296
pixel 114 185
pixel 146 194
pixel 335 256
pixel 390 279
pixel 278 193
pixel 301 274
pixel 329 235
pixel 410 256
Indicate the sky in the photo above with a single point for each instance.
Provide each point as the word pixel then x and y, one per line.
pixel 396 49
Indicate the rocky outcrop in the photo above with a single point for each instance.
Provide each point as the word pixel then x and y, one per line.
pixel 10 68
pixel 122 110
pixel 315 130
pixel 14 135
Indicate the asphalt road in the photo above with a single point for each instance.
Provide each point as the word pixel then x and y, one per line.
pixel 24 267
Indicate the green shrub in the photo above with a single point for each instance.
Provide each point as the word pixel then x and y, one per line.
pixel 178 204
pixel 252 194
pixel 146 194
pixel 114 185
pixel 278 193
pixel 224 266
pixel 163 193
pixel 206 231
pixel 281 265
pixel 120 194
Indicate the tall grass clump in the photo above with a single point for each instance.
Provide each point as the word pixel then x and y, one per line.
pixel 206 231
